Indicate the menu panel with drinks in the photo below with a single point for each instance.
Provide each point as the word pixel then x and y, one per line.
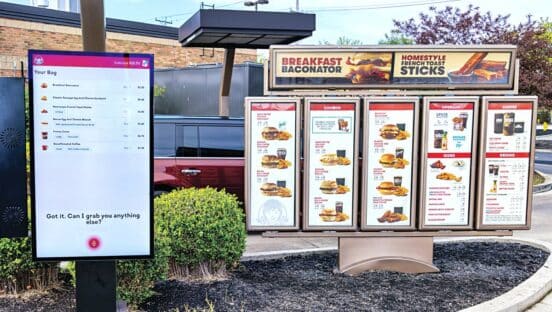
pixel 447 164
pixel 389 164
pixel 506 165
pixel 330 165
pixel 92 153
pixel 272 161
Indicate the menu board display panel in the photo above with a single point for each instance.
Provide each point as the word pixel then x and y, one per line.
pixel 448 162
pixel 272 162
pixel 389 163
pixel 506 162
pixel 331 147
pixel 91 147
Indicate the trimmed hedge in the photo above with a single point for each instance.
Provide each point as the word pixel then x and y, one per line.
pixel 18 272
pixel 206 230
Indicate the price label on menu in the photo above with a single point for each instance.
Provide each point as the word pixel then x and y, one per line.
pixel 448 163
pixel 388 177
pixel 92 116
pixel 272 164
pixel 330 177
pixel 506 162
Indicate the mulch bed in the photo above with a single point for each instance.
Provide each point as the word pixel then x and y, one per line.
pixel 471 273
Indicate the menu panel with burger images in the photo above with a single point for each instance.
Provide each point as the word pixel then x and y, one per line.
pixel 388 172
pixel 447 164
pixel 506 162
pixel 330 174
pixel 272 162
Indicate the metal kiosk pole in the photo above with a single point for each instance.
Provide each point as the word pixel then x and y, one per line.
pixel 96 280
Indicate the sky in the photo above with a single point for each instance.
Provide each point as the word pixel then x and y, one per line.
pixel 364 20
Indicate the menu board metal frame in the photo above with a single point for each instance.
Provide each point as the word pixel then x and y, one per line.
pixel 306 170
pixel 297 160
pixel 273 85
pixel 34 136
pixel 481 163
pixel 424 162
pixel 413 163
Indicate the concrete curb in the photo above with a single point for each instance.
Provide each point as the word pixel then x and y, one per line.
pixel 545 186
pixel 521 297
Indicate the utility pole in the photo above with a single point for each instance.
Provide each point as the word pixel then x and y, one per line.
pixel 296 5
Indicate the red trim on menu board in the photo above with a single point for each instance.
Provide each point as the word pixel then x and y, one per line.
pixel 90 61
pixel 507 155
pixel 449 106
pixel 511 105
pixel 273 106
pixel 448 155
pixel 391 106
pixel 332 107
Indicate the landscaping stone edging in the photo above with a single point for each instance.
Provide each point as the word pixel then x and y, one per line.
pixel 521 297
pixel 545 186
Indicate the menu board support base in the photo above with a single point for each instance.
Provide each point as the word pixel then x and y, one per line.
pixel 397 254
pixel 96 285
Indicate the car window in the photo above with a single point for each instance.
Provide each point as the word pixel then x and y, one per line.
pixel 221 141
pixel 163 139
pixel 187 141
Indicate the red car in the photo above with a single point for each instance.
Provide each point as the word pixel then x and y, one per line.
pixel 199 152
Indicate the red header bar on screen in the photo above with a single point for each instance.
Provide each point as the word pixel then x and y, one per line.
pixel 507 155
pixel 272 106
pixel 95 61
pixel 511 105
pixel 448 155
pixel 332 107
pixel 391 106
pixel 449 106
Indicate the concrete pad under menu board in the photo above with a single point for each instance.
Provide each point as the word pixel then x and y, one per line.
pixel 331 133
pixel 390 163
pixel 272 163
pixel 506 162
pixel 448 163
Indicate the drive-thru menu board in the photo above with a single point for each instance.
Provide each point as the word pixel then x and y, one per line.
pixel 448 165
pixel 272 159
pixel 330 163
pixel 389 161
pixel 506 184
pixel 91 121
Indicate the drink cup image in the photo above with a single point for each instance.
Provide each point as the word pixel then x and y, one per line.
pixel 281 153
pixel 340 181
pixel 339 206
pixel 397 180
pixel 401 126
pixel 341 153
pixel 398 210
pixel 44 135
pixel 399 153
pixel 281 183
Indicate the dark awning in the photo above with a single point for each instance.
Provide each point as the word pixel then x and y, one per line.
pixel 244 29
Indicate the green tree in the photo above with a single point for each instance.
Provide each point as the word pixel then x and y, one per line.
pixel 396 38
pixel 455 26
pixel 343 41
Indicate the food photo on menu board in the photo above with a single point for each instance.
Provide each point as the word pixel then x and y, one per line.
pixel 507 153
pixel 331 153
pixel 388 180
pixel 448 162
pixel 271 161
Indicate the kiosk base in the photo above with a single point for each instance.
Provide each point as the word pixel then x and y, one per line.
pixel 399 254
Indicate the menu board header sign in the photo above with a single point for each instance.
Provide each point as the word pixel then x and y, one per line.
pixel 380 67
pixel 91 155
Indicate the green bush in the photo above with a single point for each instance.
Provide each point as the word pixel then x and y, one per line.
pixel 205 228
pixel 136 278
pixel 543 115
pixel 18 272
